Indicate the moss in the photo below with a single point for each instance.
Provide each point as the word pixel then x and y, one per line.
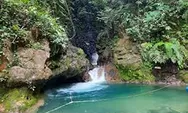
pixel 184 75
pixel 35 45
pixel 18 100
pixel 140 75
pixel 80 52
pixel 3 91
pixel 67 61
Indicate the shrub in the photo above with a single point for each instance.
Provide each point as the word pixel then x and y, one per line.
pixel 161 52
pixel 144 20
pixel 20 18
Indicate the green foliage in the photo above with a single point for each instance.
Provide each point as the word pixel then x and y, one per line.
pixel 145 20
pixel 19 17
pixel 161 52
pixel 36 45
pixel 161 27
pixel 62 10
pixel 106 43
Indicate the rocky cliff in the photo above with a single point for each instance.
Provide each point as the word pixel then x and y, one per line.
pixel 29 69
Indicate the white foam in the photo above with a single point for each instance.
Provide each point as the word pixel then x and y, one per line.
pixel 97 76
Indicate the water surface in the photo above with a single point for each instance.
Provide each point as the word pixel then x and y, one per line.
pixel 115 98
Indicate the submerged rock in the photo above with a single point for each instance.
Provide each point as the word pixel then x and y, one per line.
pixel 163 110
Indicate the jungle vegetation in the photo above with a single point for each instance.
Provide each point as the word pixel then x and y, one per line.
pixel 159 27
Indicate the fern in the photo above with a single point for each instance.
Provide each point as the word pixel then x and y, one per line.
pixel 161 52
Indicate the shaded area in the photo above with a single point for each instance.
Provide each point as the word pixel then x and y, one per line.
pixel 85 15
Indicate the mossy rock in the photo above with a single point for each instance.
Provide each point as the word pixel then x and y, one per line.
pixel 18 100
pixel 3 91
pixel 126 53
pixel 142 75
pixel 80 52
pixel 71 64
pixel 184 75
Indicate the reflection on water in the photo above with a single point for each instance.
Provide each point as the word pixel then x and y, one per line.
pixel 116 98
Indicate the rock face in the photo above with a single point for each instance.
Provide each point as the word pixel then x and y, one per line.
pixel 111 73
pixel 127 59
pixel 73 63
pixel 7 56
pixel 31 65
pixel 126 53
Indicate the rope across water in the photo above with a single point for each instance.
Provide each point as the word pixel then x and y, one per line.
pixel 89 101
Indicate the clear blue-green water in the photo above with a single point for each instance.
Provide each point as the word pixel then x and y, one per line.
pixel 115 98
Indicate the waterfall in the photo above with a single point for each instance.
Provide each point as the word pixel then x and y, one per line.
pixel 94 59
pixel 97 76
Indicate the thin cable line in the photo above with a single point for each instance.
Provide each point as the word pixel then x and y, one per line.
pixel 88 101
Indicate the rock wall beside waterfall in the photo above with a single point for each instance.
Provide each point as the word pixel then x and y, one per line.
pixel 126 53
pixel 127 59
pixel 32 66
pixel 72 63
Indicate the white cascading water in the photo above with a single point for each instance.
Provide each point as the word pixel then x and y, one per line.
pixel 97 76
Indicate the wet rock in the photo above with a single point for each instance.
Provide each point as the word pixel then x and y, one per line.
pixel 35 107
pixel 111 73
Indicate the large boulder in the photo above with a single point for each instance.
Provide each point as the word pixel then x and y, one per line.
pixel 71 64
pixel 31 65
